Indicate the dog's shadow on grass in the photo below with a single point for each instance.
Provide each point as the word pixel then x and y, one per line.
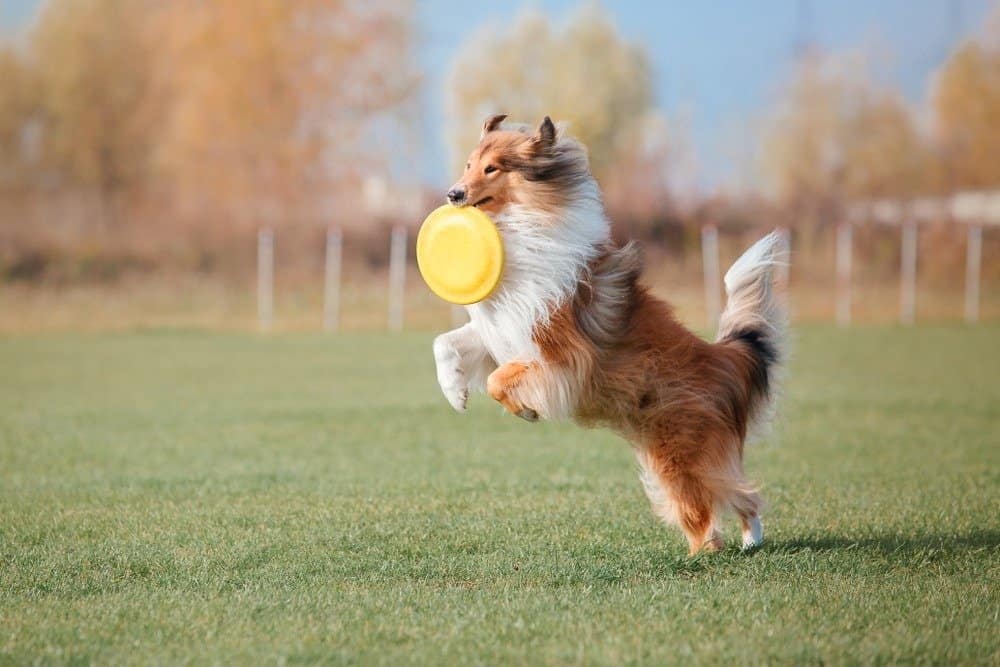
pixel 917 549
pixel 889 544
pixel 598 563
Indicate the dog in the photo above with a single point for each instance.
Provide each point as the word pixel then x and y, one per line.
pixel 570 332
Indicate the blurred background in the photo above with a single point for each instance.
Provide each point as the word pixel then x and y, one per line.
pixel 209 163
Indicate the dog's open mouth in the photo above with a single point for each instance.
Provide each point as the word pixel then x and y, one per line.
pixel 483 201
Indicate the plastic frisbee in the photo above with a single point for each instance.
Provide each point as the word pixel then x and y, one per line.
pixel 460 254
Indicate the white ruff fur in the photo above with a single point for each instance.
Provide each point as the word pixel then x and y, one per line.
pixel 544 256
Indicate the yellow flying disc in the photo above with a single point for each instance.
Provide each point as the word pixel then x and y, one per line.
pixel 460 254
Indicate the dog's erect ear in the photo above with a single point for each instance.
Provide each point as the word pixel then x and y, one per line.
pixel 546 135
pixel 492 123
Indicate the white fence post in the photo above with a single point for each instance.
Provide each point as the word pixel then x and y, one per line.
pixel 908 274
pixel 973 261
pixel 844 250
pixel 331 285
pixel 265 278
pixel 710 266
pixel 397 278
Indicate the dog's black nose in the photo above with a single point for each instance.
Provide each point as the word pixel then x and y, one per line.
pixel 456 195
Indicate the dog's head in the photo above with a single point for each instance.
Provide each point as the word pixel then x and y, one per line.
pixel 539 169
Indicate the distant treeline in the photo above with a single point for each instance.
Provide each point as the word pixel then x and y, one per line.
pixel 146 136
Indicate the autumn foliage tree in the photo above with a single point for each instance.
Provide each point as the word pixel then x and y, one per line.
pixel 92 62
pixel 240 111
pixel 586 74
pixel 18 105
pixel 835 136
pixel 268 103
pixel 966 107
pixel 802 144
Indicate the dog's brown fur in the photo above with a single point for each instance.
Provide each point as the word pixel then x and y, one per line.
pixel 683 402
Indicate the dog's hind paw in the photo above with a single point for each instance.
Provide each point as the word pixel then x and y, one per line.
pixel 753 534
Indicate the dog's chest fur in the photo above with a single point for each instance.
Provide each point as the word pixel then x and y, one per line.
pixel 545 256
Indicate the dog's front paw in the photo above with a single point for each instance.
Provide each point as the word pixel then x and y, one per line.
pixel 450 376
pixel 454 387
pixel 502 386
pixel 457 396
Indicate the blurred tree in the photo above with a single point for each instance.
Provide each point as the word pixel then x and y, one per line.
pixel 883 154
pixel 268 102
pixel 835 136
pixel 93 65
pixel 966 106
pixel 18 109
pixel 639 190
pixel 803 140
pixel 587 75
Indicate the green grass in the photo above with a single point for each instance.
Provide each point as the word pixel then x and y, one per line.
pixel 180 496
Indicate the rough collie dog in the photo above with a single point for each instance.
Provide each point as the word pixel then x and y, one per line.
pixel 571 333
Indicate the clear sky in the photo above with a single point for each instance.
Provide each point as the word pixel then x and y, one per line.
pixel 719 62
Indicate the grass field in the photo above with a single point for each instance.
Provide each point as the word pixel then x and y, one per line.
pixel 178 496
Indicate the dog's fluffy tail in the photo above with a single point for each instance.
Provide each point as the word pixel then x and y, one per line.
pixel 755 318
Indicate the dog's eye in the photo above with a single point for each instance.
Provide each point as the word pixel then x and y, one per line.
pixel 467 165
pixel 489 169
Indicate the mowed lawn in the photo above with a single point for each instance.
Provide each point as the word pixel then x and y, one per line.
pixel 181 496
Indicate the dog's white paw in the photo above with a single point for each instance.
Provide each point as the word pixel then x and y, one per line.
pixel 458 397
pixel 753 536
pixel 453 385
pixel 450 376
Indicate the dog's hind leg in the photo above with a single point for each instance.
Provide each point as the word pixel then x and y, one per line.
pixel 696 513
pixel 741 496
pixel 680 499
pixel 753 531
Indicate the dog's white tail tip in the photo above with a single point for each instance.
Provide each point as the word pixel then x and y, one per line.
pixel 770 251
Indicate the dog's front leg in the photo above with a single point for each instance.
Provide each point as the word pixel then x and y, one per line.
pixel 462 364
pixel 534 389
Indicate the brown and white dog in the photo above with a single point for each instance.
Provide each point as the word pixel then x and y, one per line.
pixel 570 333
